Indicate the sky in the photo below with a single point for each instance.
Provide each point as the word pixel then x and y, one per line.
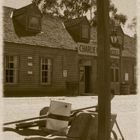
pixel 126 7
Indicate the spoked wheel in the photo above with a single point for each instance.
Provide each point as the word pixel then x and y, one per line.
pixel 113 135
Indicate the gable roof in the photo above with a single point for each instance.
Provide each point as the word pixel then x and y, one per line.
pixel 53 34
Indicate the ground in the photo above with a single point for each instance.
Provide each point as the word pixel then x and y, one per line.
pixel 22 108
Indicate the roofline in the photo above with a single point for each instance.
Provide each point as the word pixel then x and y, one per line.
pixel 129 36
pixel 26 44
pixel 8 7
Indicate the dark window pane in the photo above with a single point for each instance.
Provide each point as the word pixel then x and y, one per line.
pixel 42 80
pixel 7 72
pixel 11 72
pixel 43 67
pixel 46 67
pixel 11 65
pixel 43 73
pixel 46 79
pixel 11 80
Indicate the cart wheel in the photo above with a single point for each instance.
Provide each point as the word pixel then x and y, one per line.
pixel 113 135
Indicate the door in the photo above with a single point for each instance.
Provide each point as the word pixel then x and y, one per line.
pixel 115 84
pixel 87 78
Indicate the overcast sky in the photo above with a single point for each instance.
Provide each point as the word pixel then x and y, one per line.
pixel 127 7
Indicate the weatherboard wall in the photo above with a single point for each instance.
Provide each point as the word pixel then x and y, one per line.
pixel 29 84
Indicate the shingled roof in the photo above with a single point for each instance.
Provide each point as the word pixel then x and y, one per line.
pixel 53 33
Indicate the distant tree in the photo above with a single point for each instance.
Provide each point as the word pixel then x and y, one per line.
pixel 120 17
pixel 76 8
pixel 132 25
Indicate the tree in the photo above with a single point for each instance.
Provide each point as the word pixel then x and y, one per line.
pixel 114 15
pixel 132 25
pixel 76 8
pixel 69 9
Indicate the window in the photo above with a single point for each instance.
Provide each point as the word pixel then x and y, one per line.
pixel 34 23
pixel 85 31
pixel 10 69
pixel 114 74
pixel 45 70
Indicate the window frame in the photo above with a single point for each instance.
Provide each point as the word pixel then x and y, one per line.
pixel 114 78
pixel 14 69
pixel 49 75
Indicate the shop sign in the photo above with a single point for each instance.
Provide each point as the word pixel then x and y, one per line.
pixel 91 49
pixel 87 49
pixel 114 52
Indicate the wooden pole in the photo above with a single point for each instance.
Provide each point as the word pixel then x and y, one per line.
pixel 103 69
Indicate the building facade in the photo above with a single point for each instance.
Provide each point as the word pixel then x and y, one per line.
pixel 41 65
pixel 62 60
pixel 85 36
pixel 128 66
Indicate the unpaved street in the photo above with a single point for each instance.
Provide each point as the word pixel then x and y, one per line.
pixel 22 108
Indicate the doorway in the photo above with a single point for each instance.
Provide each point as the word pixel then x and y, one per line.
pixel 87 79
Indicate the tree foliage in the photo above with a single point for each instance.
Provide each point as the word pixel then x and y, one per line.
pixel 76 8
pixel 132 25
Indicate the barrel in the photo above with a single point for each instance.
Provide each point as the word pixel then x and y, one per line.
pixel 125 89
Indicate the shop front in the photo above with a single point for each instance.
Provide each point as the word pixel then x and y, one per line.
pixel 115 70
pixel 87 68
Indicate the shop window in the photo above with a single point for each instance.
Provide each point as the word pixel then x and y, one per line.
pixel 45 70
pixel 85 31
pixel 10 69
pixel 114 75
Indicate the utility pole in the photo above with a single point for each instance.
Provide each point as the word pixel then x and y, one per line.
pixel 103 70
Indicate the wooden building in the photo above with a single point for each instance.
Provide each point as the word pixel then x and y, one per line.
pixel 80 30
pixel 41 65
pixel 85 35
pixel 62 60
pixel 128 66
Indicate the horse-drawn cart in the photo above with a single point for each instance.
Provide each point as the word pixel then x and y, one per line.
pixel 58 122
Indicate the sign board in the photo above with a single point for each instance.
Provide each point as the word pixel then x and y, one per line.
pixel 87 49
pixel 115 52
pixel 91 50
